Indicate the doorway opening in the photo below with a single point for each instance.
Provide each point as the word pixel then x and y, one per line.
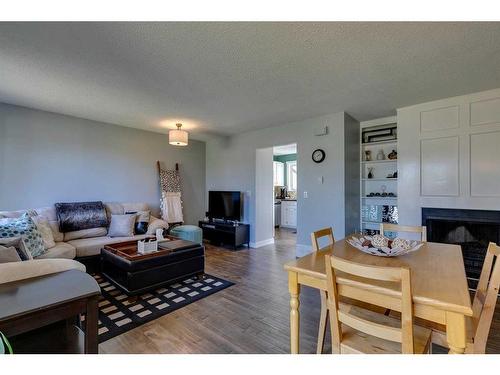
pixel 285 191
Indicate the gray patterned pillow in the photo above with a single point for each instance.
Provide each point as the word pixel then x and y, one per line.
pixel 25 228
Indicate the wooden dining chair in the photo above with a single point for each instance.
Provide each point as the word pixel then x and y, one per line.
pixel 356 330
pixel 387 227
pixel 323 319
pixel 483 305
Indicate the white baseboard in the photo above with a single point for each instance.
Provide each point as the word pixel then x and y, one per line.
pixel 257 244
pixel 302 250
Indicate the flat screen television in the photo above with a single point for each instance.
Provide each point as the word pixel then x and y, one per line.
pixel 224 205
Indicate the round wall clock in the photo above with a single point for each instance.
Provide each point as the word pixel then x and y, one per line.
pixel 318 155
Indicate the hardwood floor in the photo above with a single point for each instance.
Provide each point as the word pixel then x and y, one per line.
pixel 249 317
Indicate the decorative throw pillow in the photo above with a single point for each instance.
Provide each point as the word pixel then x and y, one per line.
pixel 80 215
pixel 19 245
pixel 141 221
pixel 121 226
pixel 25 228
pixel 42 224
pixel 9 254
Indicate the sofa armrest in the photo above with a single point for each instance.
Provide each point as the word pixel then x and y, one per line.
pixel 14 271
pixel 156 223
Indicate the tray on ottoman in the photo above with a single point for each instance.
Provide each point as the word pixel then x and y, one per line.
pixel 136 273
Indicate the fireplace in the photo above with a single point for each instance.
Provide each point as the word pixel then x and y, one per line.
pixel 471 229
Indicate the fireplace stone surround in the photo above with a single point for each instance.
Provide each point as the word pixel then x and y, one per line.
pixel 471 229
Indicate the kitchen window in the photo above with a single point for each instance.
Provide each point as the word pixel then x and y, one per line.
pixel 291 175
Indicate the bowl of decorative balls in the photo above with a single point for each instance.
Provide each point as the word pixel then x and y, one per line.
pixel 384 247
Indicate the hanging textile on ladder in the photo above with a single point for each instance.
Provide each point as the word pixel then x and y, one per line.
pixel 171 202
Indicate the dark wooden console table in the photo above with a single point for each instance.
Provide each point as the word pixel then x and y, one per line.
pixel 30 304
pixel 227 234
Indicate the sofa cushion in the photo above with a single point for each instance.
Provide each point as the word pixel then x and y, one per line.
pixel 33 268
pixel 129 207
pixel 50 214
pixel 86 247
pixel 23 227
pixel 113 208
pixel 85 233
pixel 60 250
pixel 56 233
pixel 11 214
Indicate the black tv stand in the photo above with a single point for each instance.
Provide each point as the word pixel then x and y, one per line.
pixel 222 233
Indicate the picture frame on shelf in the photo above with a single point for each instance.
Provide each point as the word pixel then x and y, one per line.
pixel 379 134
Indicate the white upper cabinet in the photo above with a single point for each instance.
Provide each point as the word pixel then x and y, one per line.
pixel 279 173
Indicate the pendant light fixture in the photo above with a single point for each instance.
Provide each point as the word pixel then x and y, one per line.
pixel 178 137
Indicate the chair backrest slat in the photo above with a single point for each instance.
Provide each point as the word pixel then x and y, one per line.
pixel 485 299
pixel 367 272
pixel 404 335
pixel 387 227
pixel 371 328
pixel 325 232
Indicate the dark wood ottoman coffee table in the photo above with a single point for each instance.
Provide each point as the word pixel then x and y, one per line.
pixel 135 273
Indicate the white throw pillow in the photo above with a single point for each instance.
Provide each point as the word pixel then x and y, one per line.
pixel 122 225
pixel 9 254
pixel 43 226
pixel 19 244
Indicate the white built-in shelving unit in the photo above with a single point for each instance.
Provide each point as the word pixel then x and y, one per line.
pixel 381 170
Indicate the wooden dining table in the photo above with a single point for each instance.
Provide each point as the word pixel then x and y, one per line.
pixel 439 286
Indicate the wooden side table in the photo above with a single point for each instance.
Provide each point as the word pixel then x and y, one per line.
pixel 29 304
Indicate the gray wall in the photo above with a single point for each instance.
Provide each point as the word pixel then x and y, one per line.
pixel 231 166
pixel 47 158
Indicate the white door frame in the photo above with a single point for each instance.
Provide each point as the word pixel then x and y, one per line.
pixel 264 198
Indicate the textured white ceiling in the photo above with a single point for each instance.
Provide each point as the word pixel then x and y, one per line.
pixel 227 78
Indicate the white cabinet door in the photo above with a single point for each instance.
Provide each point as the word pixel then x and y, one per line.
pixel 289 214
pixel 279 173
pixel 284 218
pixel 292 216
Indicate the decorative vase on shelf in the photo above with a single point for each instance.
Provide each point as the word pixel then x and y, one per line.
pixel 370 172
pixel 380 155
pixel 368 155
pixel 393 155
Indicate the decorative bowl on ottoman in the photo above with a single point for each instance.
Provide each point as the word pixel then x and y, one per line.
pixel 384 247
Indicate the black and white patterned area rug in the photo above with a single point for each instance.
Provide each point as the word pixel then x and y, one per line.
pixel 119 313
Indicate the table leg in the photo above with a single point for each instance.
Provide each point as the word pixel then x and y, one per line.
pixel 91 323
pixel 294 289
pixel 456 332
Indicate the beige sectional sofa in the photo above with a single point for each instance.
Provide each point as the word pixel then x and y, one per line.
pixel 15 271
pixel 87 243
